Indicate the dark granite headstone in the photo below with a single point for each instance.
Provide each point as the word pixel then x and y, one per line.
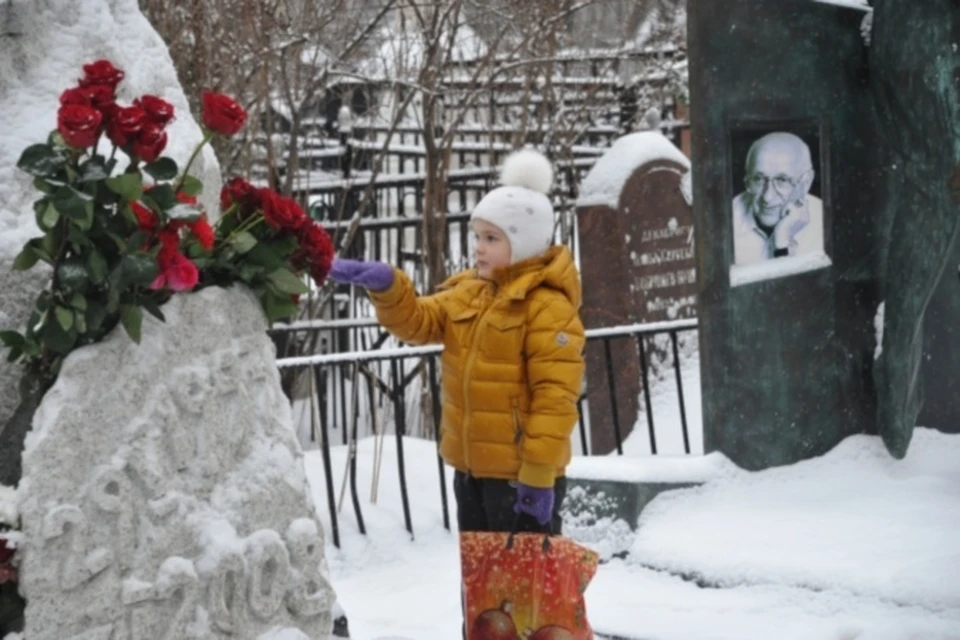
pixel 636 252
pixel 786 354
pixel 787 336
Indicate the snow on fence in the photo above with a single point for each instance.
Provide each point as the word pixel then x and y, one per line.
pixel 376 390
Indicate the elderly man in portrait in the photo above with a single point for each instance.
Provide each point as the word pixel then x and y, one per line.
pixel 776 216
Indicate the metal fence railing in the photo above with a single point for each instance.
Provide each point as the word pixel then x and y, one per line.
pixel 386 375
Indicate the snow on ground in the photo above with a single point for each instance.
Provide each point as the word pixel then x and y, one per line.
pixel 852 545
pixel 665 405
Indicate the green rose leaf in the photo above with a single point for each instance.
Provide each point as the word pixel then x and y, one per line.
pixel 138 269
pixel 162 169
pixel 163 196
pixel 93 170
pixel 64 317
pixel 96 314
pixel 243 242
pixel 96 267
pixel 286 282
pixel 277 307
pixel 128 186
pixel 47 214
pixel 191 186
pixel 154 310
pixel 42 185
pixel 41 160
pixel 58 339
pixel 79 302
pixel 12 339
pixel 72 275
pixel 25 259
pixel 132 318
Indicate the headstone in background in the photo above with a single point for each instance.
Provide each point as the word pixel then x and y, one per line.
pixel 637 265
pixel 164 494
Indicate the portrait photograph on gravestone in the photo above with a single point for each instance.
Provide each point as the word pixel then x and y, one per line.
pixel 777 210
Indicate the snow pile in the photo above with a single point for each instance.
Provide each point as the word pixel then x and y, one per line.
pixel 741 274
pixel 878 320
pixel 855 502
pixel 34 72
pixel 9 514
pixel 850 4
pixel 606 179
pixel 855 520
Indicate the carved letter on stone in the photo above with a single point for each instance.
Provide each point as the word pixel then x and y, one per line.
pixel 310 594
pixel 269 565
pixel 111 492
pixel 178 575
pixel 226 592
pixel 77 566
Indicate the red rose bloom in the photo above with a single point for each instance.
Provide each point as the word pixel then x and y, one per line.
pixel 101 72
pixel 315 252
pixel 79 125
pixel 75 96
pixel 222 114
pixel 146 218
pixel 101 96
pixel 150 142
pixel 158 111
pixel 177 273
pixel 282 213
pixel 203 232
pixel 185 199
pixel 241 192
pixel 125 123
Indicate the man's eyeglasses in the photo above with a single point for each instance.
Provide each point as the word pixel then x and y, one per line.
pixel 783 185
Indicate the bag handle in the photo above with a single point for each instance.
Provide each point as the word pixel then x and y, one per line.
pixel 548 531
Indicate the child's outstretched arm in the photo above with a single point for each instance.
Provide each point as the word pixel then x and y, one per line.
pixel 554 352
pixel 413 319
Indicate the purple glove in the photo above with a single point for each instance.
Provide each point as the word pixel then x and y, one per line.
pixel 535 502
pixel 375 276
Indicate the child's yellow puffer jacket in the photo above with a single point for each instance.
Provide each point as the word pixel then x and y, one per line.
pixel 512 363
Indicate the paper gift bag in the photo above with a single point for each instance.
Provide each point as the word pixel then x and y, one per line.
pixel 525 586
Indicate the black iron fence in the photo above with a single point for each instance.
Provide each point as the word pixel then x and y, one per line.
pixel 386 375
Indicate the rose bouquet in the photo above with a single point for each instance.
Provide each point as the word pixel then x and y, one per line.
pixel 123 243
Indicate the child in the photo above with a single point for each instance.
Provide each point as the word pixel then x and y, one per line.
pixel 512 361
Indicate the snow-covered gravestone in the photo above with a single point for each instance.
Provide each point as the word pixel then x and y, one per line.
pixel 164 494
pixel 635 225
pixel 43 45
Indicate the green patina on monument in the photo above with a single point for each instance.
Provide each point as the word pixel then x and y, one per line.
pixel 787 338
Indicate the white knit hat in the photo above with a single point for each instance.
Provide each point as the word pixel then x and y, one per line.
pixel 521 207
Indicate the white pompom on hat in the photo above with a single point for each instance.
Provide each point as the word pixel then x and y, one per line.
pixel 521 208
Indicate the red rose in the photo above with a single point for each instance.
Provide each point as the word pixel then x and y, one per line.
pixel 125 123
pixel 203 232
pixel 222 114
pixel 79 125
pixel 6 551
pixel 282 213
pixel 177 273
pixel 101 96
pixel 75 96
pixel 150 142
pixel 315 252
pixel 157 109
pixel 185 199
pixel 101 72
pixel 146 218
pixel 241 192
pixel 169 240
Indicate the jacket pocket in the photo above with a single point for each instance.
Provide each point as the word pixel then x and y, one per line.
pixel 502 338
pixel 458 333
